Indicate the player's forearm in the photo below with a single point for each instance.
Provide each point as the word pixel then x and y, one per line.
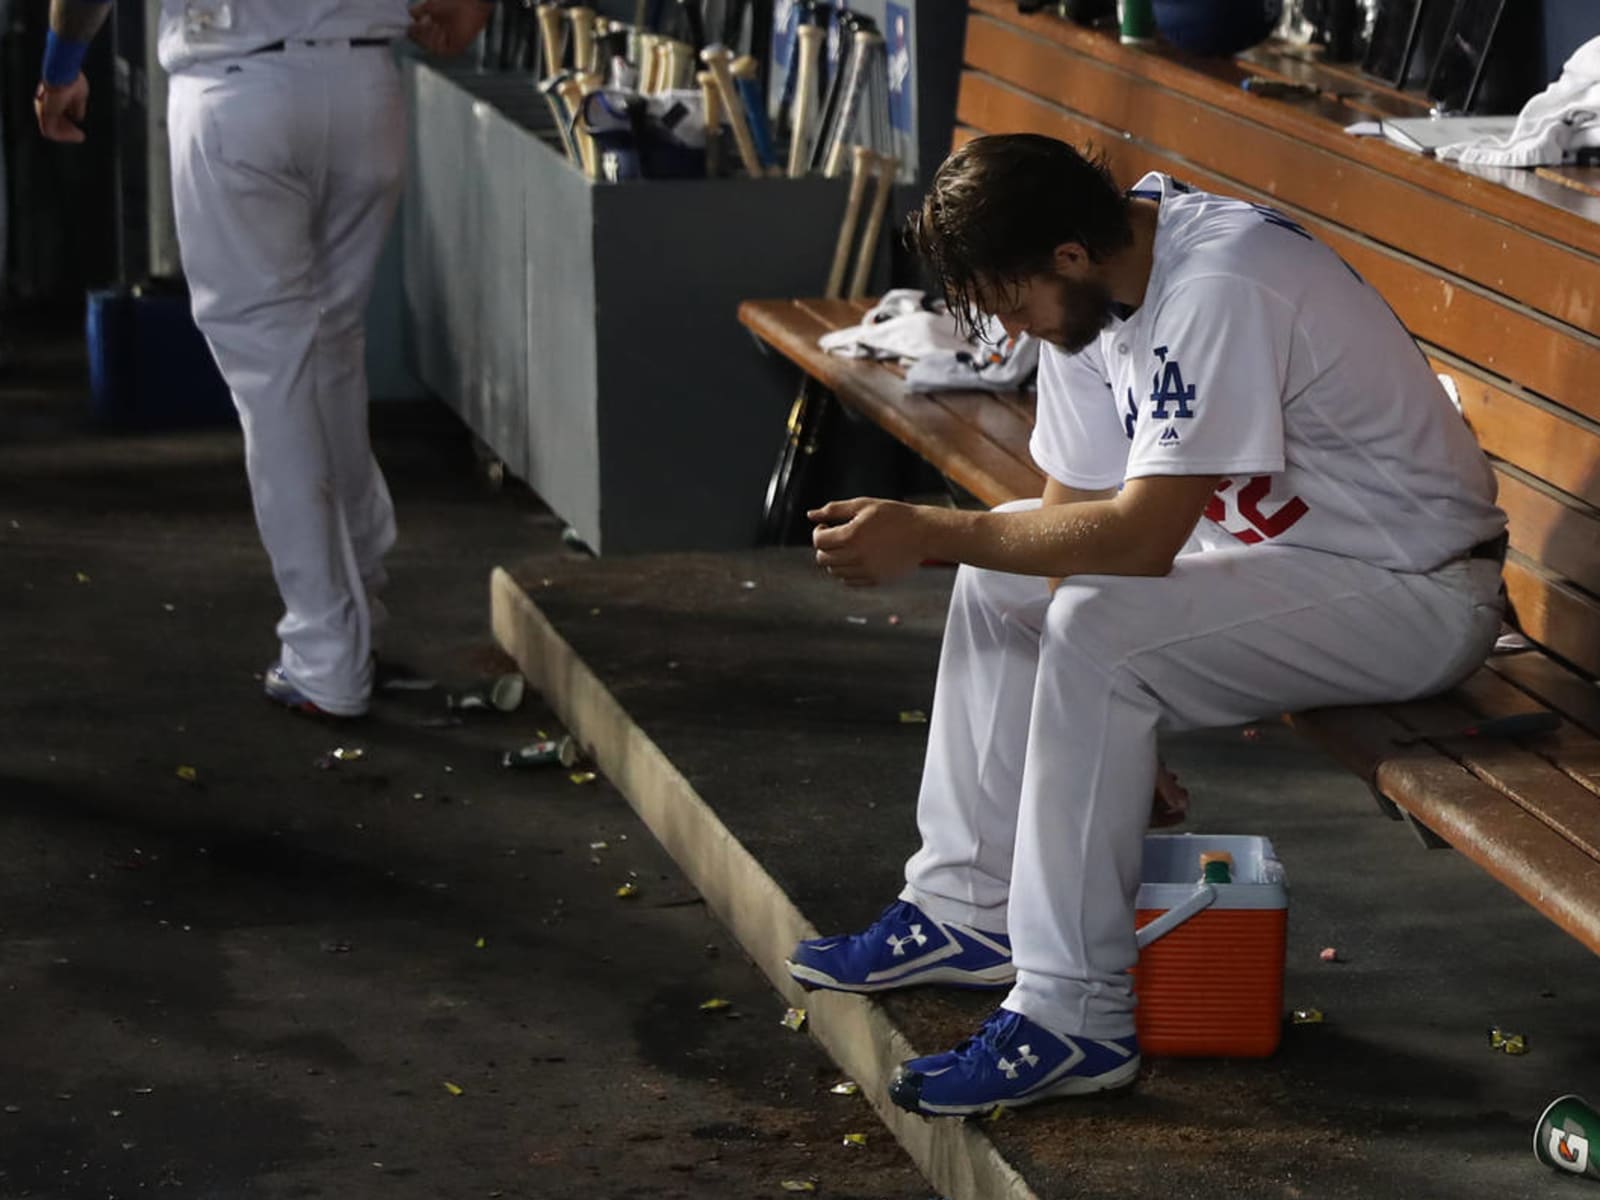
pixel 73 25
pixel 1094 537
pixel 1056 492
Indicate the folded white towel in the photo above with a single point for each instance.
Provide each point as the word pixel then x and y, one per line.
pixel 907 327
pixel 1553 126
pixel 1004 366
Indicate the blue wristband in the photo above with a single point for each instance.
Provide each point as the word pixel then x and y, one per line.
pixel 63 59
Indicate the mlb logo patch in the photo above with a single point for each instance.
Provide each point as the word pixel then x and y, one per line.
pixel 1569 1151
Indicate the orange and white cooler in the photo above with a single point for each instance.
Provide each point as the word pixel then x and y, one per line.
pixel 1209 981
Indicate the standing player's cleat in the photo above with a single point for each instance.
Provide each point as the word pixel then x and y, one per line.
pixel 1010 1062
pixel 904 947
pixel 280 690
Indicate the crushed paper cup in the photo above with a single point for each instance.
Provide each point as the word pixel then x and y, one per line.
pixel 508 691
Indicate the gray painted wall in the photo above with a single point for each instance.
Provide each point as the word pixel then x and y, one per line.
pixel 587 332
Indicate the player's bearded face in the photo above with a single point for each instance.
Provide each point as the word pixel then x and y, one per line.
pixel 1069 313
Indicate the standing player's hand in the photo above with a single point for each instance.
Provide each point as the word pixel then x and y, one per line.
pixel 867 542
pixel 61 110
pixel 447 27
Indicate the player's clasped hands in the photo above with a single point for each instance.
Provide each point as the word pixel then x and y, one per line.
pixel 866 542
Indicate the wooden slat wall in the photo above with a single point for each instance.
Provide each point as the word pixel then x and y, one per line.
pixel 1538 212
pixel 1503 292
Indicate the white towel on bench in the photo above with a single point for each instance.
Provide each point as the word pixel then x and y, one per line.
pixel 1553 126
pixel 905 326
pixel 1007 365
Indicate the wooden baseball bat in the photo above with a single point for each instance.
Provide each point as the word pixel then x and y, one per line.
pixel 583 23
pixel 680 65
pixel 883 188
pixel 571 93
pixel 829 104
pixel 860 175
pixel 550 35
pixel 550 90
pixel 713 106
pixel 646 46
pixel 809 413
pixel 656 69
pixel 719 58
pixel 809 54
pixel 746 72
pixel 855 82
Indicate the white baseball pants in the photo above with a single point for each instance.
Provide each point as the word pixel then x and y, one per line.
pixel 286 169
pixel 1042 745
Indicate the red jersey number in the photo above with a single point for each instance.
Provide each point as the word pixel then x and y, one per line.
pixel 1244 513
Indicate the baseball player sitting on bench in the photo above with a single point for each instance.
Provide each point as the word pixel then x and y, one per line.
pixel 1259 500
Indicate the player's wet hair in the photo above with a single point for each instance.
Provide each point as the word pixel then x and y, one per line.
pixel 999 207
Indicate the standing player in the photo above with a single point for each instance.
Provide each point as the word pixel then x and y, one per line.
pixel 288 151
pixel 1259 499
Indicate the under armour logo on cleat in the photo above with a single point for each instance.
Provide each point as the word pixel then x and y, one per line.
pixel 899 944
pixel 1025 1058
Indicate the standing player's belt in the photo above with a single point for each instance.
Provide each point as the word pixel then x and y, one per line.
pixel 353 43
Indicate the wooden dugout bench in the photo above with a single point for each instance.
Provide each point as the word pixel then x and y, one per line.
pixel 1497 275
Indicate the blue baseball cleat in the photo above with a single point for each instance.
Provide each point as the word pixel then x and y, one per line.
pixel 1010 1062
pixel 904 947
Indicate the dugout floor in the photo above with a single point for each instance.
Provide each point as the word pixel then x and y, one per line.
pixel 258 983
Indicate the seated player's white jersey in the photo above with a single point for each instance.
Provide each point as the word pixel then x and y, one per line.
pixel 199 30
pixel 1258 355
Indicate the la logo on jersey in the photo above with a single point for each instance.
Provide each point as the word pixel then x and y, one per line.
pixel 1167 387
pixel 1569 1151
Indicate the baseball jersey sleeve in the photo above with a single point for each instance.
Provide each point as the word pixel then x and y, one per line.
pixel 1217 373
pixel 1078 434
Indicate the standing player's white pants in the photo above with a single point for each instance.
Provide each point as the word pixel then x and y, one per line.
pixel 286 168
pixel 1042 746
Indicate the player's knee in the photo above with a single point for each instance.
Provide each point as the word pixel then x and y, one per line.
pixel 997 591
pixel 1086 617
